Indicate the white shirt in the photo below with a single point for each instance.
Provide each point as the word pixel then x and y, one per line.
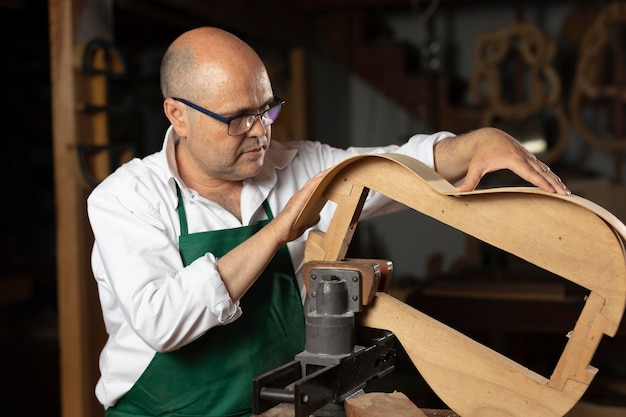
pixel 150 301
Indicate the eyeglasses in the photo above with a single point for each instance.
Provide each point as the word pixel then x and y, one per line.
pixel 239 125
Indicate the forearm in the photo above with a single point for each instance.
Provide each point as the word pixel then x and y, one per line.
pixel 240 267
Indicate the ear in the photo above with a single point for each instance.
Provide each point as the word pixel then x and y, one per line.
pixel 176 113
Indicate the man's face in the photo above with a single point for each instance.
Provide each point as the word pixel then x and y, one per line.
pixel 213 151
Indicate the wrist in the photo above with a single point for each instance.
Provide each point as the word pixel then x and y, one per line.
pixel 272 238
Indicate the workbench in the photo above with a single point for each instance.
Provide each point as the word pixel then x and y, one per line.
pixel 517 309
pixel 376 404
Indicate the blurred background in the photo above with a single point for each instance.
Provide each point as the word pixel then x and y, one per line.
pixel 81 82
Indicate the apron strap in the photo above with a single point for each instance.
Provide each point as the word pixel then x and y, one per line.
pixel 268 210
pixel 182 215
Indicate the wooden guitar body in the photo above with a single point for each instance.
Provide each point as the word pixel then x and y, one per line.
pixel 567 235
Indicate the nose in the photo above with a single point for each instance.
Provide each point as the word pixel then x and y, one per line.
pixel 257 128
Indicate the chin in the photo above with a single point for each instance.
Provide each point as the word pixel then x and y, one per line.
pixel 252 171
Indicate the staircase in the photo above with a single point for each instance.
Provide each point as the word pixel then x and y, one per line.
pixel 358 40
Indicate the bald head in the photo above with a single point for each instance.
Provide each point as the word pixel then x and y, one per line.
pixel 206 61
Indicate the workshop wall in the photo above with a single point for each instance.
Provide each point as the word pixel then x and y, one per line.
pixel 374 119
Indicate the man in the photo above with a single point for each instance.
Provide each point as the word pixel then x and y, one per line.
pixel 195 257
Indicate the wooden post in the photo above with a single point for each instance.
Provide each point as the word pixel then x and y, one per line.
pixel 298 93
pixel 80 324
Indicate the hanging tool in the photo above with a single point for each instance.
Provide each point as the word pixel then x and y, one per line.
pixel 101 61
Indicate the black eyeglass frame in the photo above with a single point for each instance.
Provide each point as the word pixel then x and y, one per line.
pixel 227 120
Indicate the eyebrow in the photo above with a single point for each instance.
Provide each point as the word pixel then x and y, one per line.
pixel 248 110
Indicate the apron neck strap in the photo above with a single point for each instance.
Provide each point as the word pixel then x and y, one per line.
pixel 268 210
pixel 182 215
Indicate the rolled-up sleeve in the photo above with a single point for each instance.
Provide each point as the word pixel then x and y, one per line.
pixel 214 291
pixel 139 271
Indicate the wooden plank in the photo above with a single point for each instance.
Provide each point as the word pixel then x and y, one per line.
pixel 333 245
pixel 380 404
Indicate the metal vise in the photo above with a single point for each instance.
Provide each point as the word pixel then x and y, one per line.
pixel 339 357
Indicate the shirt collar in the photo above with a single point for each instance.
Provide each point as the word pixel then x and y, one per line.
pixel 277 158
pixel 169 153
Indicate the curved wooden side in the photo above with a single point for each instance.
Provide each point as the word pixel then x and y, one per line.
pixel 567 235
pixel 470 378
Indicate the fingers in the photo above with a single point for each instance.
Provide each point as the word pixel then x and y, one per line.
pixel 470 182
pixel 526 166
pixel 546 175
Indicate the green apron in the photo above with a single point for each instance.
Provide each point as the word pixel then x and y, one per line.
pixel 213 376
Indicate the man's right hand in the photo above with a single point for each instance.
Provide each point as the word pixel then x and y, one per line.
pixel 282 225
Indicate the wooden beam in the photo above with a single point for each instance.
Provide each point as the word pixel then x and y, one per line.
pixel 298 92
pixel 69 207
pixel 81 331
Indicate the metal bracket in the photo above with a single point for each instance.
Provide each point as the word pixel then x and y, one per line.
pixel 331 384
pixel 353 280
